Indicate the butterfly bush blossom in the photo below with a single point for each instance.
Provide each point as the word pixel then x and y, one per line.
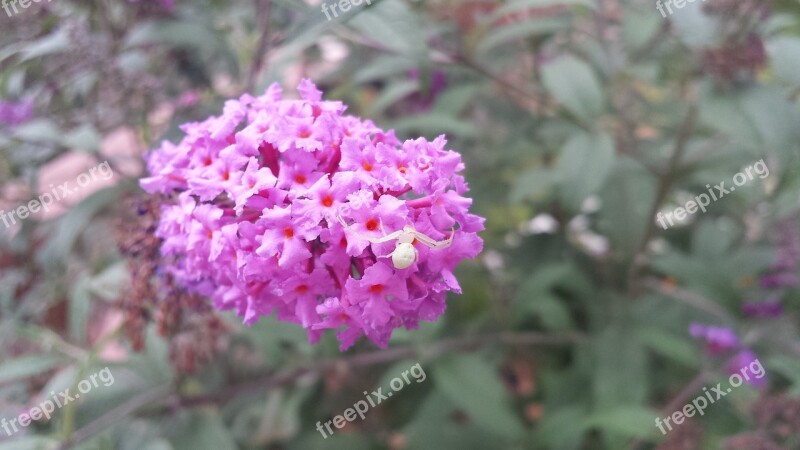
pixel 254 201
pixel 718 339
pixel 722 341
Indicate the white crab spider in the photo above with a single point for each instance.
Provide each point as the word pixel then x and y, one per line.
pixel 404 254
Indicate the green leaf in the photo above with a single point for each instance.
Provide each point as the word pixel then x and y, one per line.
pixel 27 366
pixel 584 165
pixel 342 441
pixel 394 25
pixel 676 348
pixel 392 94
pixel 154 444
pixel 552 312
pixel 29 443
pixel 713 239
pixel 504 34
pixel 521 6
pixel 141 435
pixel 434 124
pixel 433 427
pixel 84 138
pixel 39 130
pixel 626 199
pixel 575 85
pixel 640 26
pixel 454 100
pixel 534 184
pixel 550 429
pixel 182 34
pixel 55 42
pixel 109 283
pixel 747 261
pixel 275 421
pixel 133 61
pixel 543 280
pixel 199 429
pixel 80 301
pixel 303 34
pixel 789 368
pixel 396 371
pixel 694 27
pixel 70 226
pixel 153 364
pixel 535 296
pixel 629 421
pixel 472 383
pixel 620 367
pixel 775 119
pixel 270 337
pixel 382 67
pixel 784 55
pixel 725 114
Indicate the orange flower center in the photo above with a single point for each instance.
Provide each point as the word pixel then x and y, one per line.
pixel 371 224
pixel 367 166
pixel 376 288
pixel 327 201
pixel 301 289
pixel 300 178
pixel 288 232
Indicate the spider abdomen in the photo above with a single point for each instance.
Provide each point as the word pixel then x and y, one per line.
pixel 404 255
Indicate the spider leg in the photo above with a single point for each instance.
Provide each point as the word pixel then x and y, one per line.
pixel 380 221
pixel 387 238
pixel 374 240
pixel 425 239
pixel 341 221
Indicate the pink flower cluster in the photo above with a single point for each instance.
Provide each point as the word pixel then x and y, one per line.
pixel 254 201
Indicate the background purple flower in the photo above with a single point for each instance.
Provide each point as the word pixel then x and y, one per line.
pixel 430 89
pixel 718 339
pixel 747 359
pixel 15 113
pixel 769 308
